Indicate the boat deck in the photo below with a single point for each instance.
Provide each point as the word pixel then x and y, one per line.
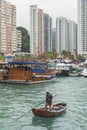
pixel 25 82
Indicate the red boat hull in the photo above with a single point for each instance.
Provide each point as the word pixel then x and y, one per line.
pixel 57 109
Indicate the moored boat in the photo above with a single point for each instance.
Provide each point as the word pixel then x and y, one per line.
pixel 74 74
pixel 63 69
pixel 56 110
pixel 27 73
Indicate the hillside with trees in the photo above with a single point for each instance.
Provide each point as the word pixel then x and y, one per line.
pixel 25 39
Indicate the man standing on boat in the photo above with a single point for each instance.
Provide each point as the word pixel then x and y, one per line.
pixel 48 100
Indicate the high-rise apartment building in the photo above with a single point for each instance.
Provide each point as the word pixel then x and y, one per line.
pixel 62 42
pixel 40 31
pixel 82 26
pixel 7 27
pixel 66 35
pixel 72 34
pixel 34 29
pixel 47 33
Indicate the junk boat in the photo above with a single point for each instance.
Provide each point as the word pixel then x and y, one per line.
pixel 26 72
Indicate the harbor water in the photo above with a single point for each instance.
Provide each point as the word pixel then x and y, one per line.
pixel 16 102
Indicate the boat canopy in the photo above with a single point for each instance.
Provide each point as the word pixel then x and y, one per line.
pixel 25 63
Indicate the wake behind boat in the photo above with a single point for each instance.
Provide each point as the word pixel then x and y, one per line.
pixel 56 110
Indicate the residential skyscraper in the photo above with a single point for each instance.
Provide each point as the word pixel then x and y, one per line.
pixel 7 27
pixel 62 42
pixel 66 35
pixel 47 32
pixel 72 36
pixel 33 29
pixel 82 26
pixel 40 31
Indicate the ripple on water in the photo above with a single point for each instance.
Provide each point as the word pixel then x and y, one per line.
pixel 16 100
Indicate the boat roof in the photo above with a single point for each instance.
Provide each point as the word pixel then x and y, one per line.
pixel 25 63
pixel 3 63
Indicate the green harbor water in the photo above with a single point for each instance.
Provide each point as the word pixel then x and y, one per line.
pixel 16 100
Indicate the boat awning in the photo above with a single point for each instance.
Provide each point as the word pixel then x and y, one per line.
pixel 25 63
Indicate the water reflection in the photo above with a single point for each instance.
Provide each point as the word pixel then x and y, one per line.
pixel 43 122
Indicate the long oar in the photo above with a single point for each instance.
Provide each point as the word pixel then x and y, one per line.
pixel 29 110
pixel 26 113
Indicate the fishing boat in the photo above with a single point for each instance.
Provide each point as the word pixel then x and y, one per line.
pixel 27 73
pixel 74 73
pixel 56 110
pixel 63 69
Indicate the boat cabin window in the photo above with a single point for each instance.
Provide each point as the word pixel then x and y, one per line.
pixel 3 66
pixel 27 65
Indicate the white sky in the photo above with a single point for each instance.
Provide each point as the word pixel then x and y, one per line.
pixel 55 8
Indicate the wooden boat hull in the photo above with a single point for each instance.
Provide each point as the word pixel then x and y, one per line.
pixel 26 73
pixel 57 110
pixel 26 82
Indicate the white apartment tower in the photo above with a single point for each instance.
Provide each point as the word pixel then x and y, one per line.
pixel 33 29
pixel 7 27
pixel 82 26
pixel 36 30
pixel 40 31
pixel 72 36
pixel 61 35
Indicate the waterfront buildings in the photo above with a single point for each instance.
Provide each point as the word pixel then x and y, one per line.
pixel 10 38
pixel 33 29
pixel 61 35
pixel 65 35
pixel 7 27
pixel 40 31
pixel 82 26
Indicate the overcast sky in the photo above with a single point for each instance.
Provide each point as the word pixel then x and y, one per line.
pixel 55 8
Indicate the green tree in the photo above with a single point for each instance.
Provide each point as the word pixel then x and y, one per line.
pixel 50 55
pixel 64 53
pixel 25 39
pixel 2 58
pixel 67 54
pixel 81 57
